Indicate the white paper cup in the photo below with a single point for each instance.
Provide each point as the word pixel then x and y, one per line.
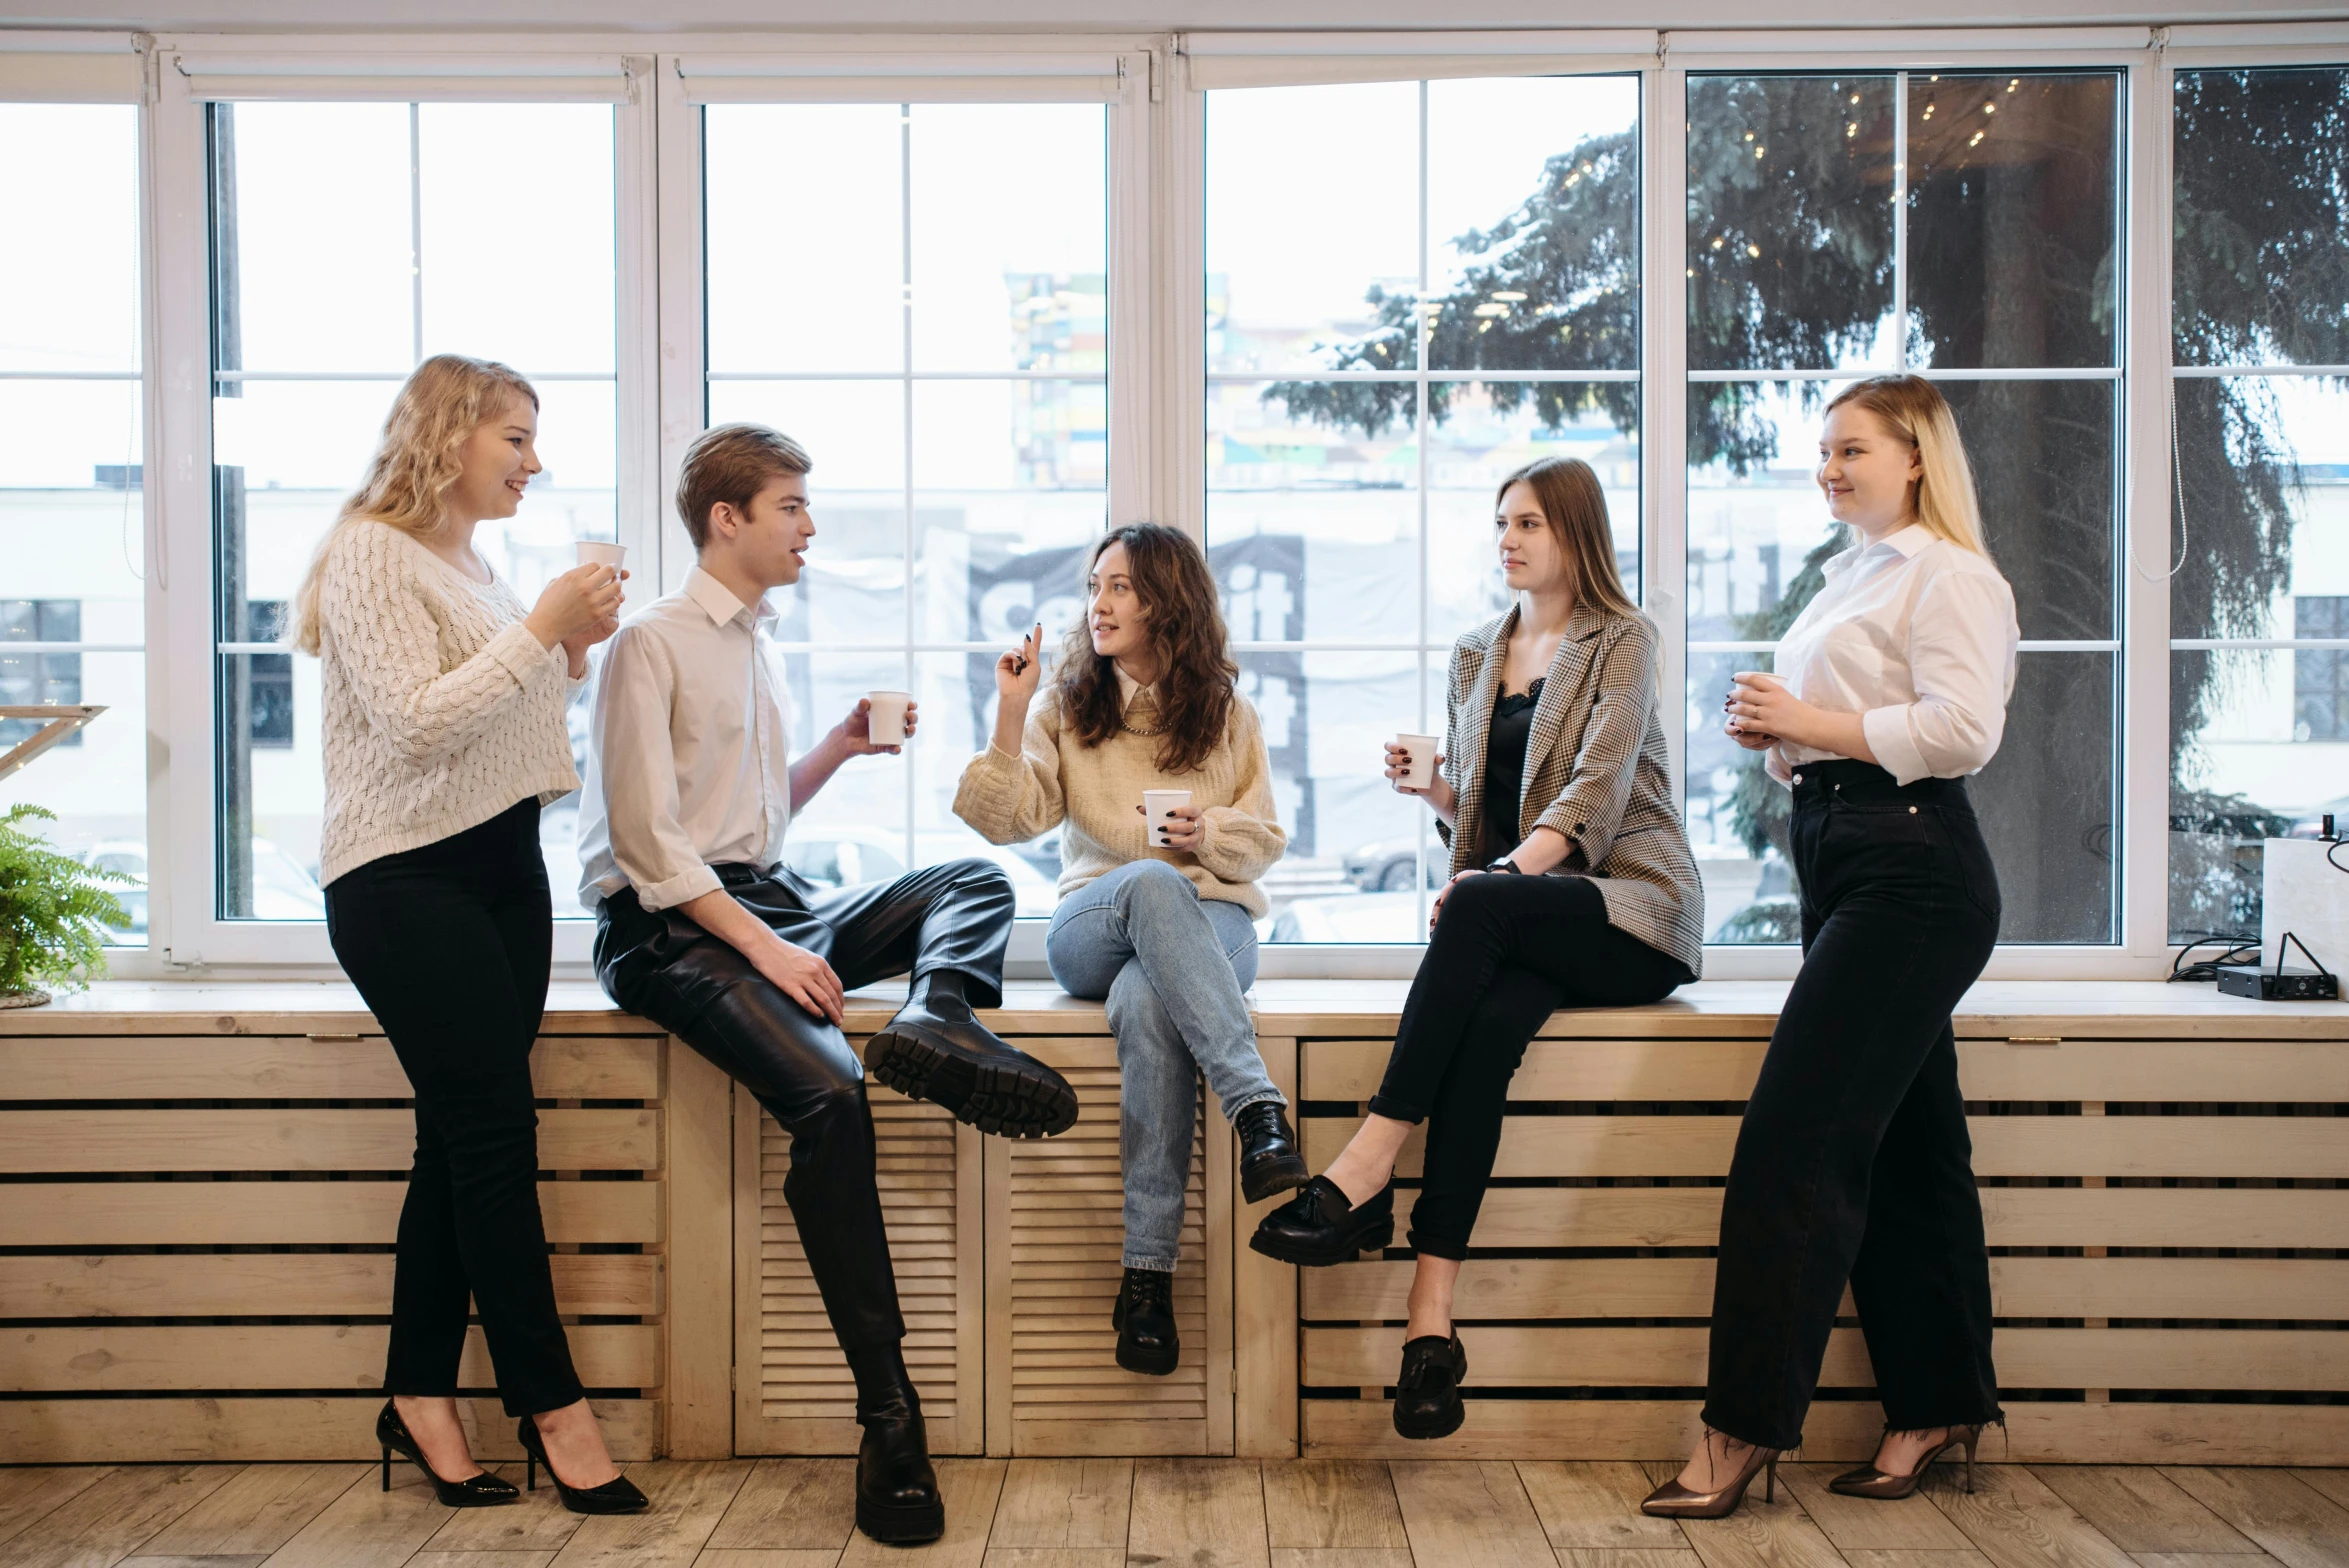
pixel 1421 772
pixel 888 716
pixel 1156 803
pixel 594 552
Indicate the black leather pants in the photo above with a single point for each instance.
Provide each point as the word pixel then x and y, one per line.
pixel 662 966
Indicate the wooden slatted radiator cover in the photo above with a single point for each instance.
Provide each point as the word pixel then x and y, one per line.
pixel 2166 1219
pixel 197 1211
pixel 793 1392
pixel 1055 1250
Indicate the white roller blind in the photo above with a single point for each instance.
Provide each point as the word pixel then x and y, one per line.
pixel 1216 60
pixel 68 68
pixel 390 75
pixel 977 75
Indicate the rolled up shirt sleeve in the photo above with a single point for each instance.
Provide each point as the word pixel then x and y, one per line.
pixel 631 747
pixel 1961 657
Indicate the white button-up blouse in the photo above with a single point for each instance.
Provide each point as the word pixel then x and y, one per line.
pixel 1917 635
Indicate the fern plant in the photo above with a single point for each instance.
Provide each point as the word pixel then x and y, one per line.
pixel 54 910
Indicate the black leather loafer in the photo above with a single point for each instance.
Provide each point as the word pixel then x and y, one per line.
pixel 1145 1323
pixel 1318 1229
pixel 961 1067
pixel 1427 1391
pixel 1270 1160
pixel 897 1501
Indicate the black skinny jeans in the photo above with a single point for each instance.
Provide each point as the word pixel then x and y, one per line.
pixel 660 965
pixel 1507 952
pixel 1853 1161
pixel 449 945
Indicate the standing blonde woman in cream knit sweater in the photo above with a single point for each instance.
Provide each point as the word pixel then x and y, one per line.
pixel 1145 699
pixel 444 733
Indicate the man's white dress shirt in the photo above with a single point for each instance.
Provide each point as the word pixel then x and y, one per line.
pixel 688 749
pixel 1916 635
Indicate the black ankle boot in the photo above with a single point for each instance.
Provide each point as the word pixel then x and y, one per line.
pixel 1427 1390
pixel 935 1050
pixel 1270 1160
pixel 897 1501
pixel 1145 1323
pixel 1319 1229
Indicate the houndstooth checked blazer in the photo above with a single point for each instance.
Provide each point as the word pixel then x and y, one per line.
pixel 1595 770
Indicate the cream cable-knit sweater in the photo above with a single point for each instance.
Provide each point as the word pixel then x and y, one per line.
pixel 441 708
pixel 1096 791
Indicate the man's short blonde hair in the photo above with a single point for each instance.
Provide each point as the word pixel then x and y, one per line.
pixel 732 463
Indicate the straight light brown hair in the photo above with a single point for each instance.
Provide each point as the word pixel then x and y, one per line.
pixel 1568 493
pixel 1198 681
pixel 732 463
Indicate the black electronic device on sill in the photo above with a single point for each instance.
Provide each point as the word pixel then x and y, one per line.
pixel 2281 984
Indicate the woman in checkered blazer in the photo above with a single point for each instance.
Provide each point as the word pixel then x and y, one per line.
pixel 1572 886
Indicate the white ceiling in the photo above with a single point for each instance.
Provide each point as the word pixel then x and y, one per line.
pixel 655 16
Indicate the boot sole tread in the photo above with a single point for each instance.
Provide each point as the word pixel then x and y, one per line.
pixel 901 1526
pixel 1004 1098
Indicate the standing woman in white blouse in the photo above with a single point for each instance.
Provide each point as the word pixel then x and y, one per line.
pixel 444 735
pixel 1853 1162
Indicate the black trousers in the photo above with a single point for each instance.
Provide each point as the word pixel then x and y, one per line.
pixel 1507 952
pixel 449 945
pixel 662 966
pixel 1853 1161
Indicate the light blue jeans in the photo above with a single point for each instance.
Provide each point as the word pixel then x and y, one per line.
pixel 1173 966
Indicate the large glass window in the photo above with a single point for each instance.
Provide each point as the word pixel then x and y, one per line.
pixel 72 512
pixel 1453 293
pixel 349 242
pixel 927 311
pixel 2260 518
pixel 1960 226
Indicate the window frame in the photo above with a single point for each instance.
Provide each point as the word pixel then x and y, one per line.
pixel 1158 389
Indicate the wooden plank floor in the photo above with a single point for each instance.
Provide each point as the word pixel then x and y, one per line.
pixel 1201 1513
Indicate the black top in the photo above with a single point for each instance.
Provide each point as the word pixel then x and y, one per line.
pixel 1504 768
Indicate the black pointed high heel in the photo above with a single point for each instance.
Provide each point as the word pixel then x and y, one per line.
pixel 476 1491
pixel 619 1495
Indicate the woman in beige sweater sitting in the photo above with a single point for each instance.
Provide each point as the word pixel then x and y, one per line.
pixel 1160 923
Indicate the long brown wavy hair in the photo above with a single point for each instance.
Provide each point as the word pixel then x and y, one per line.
pixel 1197 683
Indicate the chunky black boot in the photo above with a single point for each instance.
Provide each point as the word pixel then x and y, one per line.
pixel 1145 1322
pixel 1427 1391
pixel 897 1501
pixel 1319 1229
pixel 935 1050
pixel 1270 1160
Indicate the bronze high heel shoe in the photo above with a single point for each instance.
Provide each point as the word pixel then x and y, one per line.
pixel 1674 1501
pixel 1868 1481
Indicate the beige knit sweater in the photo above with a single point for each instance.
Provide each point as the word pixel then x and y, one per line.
pixel 441 708
pixel 1096 790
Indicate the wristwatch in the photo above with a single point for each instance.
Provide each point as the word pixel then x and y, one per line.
pixel 1505 864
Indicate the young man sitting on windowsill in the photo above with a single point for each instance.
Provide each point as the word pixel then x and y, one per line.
pixel 702 930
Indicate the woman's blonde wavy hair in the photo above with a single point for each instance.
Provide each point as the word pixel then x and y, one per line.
pixel 1916 411
pixel 443 403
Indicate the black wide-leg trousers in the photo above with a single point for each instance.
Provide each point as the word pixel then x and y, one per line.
pixel 660 965
pixel 449 946
pixel 1853 1162
pixel 1507 952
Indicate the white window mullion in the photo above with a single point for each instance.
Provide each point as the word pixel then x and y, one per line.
pixel 1663 436
pixel 181 664
pixel 681 334
pixel 2145 522
pixel 636 334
